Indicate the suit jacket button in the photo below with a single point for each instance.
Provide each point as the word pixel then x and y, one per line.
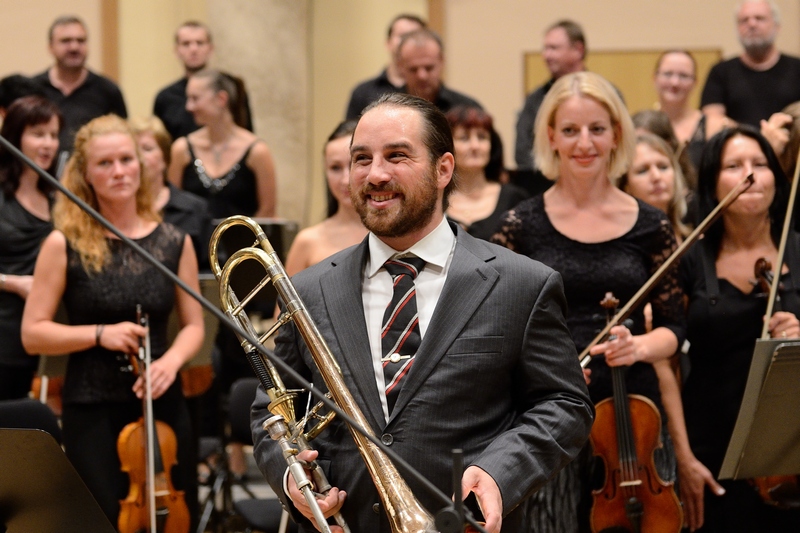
pixel 376 508
pixel 387 439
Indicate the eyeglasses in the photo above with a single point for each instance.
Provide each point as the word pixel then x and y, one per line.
pixel 680 75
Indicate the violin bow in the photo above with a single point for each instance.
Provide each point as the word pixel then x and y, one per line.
pixel 776 278
pixel 145 359
pixel 645 289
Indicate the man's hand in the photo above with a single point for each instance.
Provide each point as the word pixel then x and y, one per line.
pixel 329 504
pixel 776 131
pixel 488 494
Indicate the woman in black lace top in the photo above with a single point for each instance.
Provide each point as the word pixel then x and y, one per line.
pixel 101 281
pixel 600 239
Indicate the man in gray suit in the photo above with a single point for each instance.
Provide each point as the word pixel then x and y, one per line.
pixel 495 371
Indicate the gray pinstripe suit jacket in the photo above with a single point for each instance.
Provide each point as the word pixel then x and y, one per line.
pixel 496 375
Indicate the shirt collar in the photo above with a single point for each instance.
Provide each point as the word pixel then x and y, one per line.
pixel 434 248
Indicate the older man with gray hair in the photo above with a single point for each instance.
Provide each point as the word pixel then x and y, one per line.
pixel 759 82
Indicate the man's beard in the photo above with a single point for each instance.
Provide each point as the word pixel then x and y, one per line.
pixel 757 47
pixel 414 212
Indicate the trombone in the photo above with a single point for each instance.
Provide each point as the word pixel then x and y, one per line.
pixel 405 513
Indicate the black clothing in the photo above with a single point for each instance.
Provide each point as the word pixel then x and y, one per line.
pixel 190 213
pixel 589 270
pixel 523 147
pixel 694 148
pixel 367 92
pixel 723 326
pixel 97 96
pixel 21 235
pixel 97 395
pixel 621 266
pixel 751 95
pixel 234 193
pixel 170 107
pixel 447 99
pixel 110 297
pixel 510 196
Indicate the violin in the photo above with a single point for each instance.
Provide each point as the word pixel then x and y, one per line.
pixel 779 491
pixel 626 432
pixel 147 451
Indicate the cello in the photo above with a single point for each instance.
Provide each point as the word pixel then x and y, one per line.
pixel 625 434
pixel 147 450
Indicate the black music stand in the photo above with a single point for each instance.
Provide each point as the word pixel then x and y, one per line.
pixel 40 490
pixel 766 438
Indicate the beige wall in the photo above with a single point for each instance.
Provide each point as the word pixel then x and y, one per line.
pixel 486 41
pixel 23 32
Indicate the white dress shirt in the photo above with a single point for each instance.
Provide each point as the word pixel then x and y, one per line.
pixel 436 249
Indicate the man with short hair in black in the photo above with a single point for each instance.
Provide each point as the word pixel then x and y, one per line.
pixel 194 47
pixel 420 55
pixel 564 51
pixel 390 79
pixel 80 93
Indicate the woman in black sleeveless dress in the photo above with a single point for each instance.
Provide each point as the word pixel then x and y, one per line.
pixel 101 282
pixel 32 124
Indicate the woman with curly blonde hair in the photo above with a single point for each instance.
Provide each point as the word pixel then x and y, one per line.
pixel 101 281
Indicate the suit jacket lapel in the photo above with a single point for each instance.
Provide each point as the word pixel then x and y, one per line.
pixel 469 280
pixel 341 291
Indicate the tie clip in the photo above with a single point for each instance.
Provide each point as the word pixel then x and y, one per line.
pixel 394 358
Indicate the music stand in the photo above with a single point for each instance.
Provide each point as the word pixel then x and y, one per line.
pixel 766 438
pixel 41 491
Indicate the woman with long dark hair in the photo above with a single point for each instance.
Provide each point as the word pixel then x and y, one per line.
pixel 32 124
pixel 726 314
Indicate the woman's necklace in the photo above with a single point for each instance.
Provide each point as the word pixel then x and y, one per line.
pixel 218 151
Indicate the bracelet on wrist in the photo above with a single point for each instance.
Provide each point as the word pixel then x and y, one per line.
pixel 97 333
pixel 2 282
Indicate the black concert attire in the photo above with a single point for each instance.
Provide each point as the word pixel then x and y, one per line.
pixel 510 196
pixel 621 265
pixel 752 95
pixel 523 147
pixel 447 99
pixel 170 107
pixel 723 325
pixel 97 96
pixel 234 193
pixel 694 147
pixel 97 395
pixel 367 92
pixel 21 235
pixel 190 213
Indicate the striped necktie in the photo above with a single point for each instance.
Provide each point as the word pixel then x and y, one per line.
pixel 400 336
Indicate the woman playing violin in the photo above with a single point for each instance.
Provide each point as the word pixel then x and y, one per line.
pixel 600 239
pixel 101 280
pixel 725 317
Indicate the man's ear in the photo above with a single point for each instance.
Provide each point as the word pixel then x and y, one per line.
pixel 444 169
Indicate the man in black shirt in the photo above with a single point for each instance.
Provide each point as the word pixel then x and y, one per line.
pixel 421 58
pixel 390 80
pixel 194 47
pixel 80 93
pixel 563 51
pixel 758 83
